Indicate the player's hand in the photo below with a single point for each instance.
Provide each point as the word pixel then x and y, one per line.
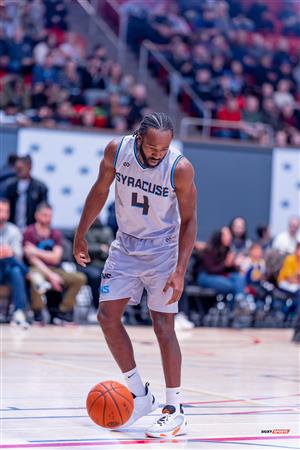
pixel 80 251
pixel 176 282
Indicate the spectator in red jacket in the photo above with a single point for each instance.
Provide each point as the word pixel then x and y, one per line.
pixel 230 112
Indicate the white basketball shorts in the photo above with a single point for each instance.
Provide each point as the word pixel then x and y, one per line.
pixel 134 264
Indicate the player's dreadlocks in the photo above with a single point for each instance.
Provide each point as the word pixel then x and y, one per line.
pixel 156 120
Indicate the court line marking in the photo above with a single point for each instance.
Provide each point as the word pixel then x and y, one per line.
pixel 230 413
pixel 186 405
pixel 146 441
pixel 75 366
pixel 242 399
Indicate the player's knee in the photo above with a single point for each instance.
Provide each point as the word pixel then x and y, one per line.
pixel 102 319
pixel 164 329
pixel 106 321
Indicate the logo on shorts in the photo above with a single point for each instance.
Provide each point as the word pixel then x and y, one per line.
pixel 169 239
pixel 126 164
pixel 104 289
pixel 106 275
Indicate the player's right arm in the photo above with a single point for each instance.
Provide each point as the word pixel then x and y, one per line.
pixel 94 202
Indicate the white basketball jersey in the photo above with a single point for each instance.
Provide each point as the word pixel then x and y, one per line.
pixel 146 203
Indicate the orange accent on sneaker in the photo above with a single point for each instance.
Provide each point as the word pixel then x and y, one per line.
pixel 175 431
pixel 162 435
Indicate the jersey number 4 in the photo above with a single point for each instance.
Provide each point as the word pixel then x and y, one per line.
pixel 144 205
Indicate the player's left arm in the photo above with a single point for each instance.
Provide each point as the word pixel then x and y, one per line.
pixel 186 195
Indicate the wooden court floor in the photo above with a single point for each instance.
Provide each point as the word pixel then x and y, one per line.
pixel 241 388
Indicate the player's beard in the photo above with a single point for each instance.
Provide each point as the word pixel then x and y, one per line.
pixel 144 158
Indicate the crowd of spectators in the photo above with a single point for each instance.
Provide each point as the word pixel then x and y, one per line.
pixel 35 258
pixel 224 50
pixel 48 77
pixel 242 60
pixel 252 276
pixel 255 277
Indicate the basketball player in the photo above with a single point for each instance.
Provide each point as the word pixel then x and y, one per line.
pixel 156 213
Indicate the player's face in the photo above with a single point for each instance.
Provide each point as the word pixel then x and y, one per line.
pixel 155 145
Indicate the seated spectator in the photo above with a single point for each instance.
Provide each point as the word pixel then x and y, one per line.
pixel 43 251
pixel 252 118
pixel 289 18
pixel 203 87
pixel 138 105
pixel 46 73
pixel 285 242
pixel 240 243
pixel 270 113
pixel 264 238
pixel 12 270
pixel 20 52
pixel 253 268
pixel 24 193
pixel 288 118
pixel 231 112
pixel 65 113
pixel 281 138
pixel 237 77
pixel 116 112
pixel 15 92
pixel 217 268
pixel 282 95
pixel 179 57
pixel 256 10
pixel 289 280
pixel 295 137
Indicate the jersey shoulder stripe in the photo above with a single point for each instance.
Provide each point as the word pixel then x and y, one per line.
pixel 173 169
pixel 118 151
pixel 136 156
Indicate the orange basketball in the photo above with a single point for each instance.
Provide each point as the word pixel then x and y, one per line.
pixel 109 404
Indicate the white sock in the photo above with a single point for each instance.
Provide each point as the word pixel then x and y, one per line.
pixel 134 382
pixel 173 397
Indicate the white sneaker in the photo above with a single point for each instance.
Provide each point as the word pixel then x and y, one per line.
pixel 19 318
pixel 182 322
pixel 39 282
pixel 169 424
pixel 142 406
